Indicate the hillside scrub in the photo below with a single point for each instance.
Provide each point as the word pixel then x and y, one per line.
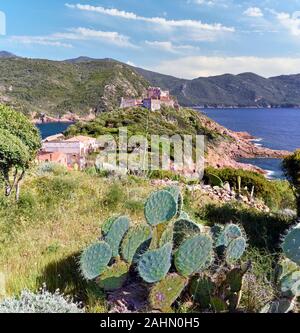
pixel 55 88
pixel 291 166
pixel 60 213
pixel 276 194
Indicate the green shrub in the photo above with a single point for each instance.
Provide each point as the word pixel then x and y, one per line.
pixel 287 198
pixel 164 174
pixel 291 167
pixel 263 188
pixel 114 195
pixel 56 189
pixel 47 168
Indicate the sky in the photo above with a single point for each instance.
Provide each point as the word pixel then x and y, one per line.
pixel 183 38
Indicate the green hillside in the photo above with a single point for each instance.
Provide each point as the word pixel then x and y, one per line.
pixel 55 88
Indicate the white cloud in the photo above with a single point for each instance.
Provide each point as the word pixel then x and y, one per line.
pixel 290 21
pixel 39 40
pixel 204 2
pixel 168 46
pixel 88 34
pixel 59 39
pixel 196 29
pixel 253 12
pixel 197 66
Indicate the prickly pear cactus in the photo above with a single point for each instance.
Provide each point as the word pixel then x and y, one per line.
pixel 235 250
pixel 175 191
pixel 285 267
pixel 184 229
pixel 230 233
pixel 107 225
pixel 160 207
pixel 116 232
pixel 167 236
pixel 202 288
pixel 94 260
pixel 154 265
pixel 283 305
pixel 165 293
pixel 290 284
pixel 133 240
pixel 291 245
pixel 114 277
pixel 193 254
pixel 234 279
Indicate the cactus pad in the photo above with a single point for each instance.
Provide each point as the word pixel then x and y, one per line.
pixel 167 236
pixel 184 229
pixel 283 305
pixel 154 265
pixel 107 225
pixel 234 280
pixel 114 277
pixel 286 267
pixel 133 240
pixel 235 250
pixel 291 245
pixel 290 284
pixel 94 260
pixel 175 191
pixel 165 293
pixel 160 207
pixel 118 229
pixel 193 254
pixel 201 290
pixel 231 232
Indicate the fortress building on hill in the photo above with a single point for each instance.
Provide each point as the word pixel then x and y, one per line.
pixel 155 98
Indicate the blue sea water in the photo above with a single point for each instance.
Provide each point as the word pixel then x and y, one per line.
pixel 49 129
pixel 273 128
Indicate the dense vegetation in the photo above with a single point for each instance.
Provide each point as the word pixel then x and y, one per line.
pixel 140 121
pixel 291 167
pixel 276 194
pixel 55 88
pixel 83 85
pixel 59 214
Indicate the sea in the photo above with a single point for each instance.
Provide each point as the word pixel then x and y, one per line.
pixel 272 128
pixel 48 129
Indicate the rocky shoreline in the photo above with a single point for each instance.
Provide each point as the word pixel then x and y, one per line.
pixel 239 145
pixel 67 118
pixel 226 153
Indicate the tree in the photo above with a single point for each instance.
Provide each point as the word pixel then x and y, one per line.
pixel 19 144
pixel 291 167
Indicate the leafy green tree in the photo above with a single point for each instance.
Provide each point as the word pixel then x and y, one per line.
pixel 19 143
pixel 291 167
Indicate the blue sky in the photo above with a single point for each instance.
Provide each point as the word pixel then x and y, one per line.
pixel 185 38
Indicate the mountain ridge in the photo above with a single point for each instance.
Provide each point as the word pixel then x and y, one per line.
pixel 85 85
